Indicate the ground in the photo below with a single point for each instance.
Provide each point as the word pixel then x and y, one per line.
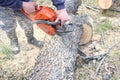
pixel 106 31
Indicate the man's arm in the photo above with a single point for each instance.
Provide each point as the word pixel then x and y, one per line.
pixel 29 7
pixel 63 15
pixel 11 3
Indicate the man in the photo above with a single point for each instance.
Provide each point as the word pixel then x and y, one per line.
pixel 10 11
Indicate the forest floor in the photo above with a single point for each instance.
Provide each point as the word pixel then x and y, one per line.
pixel 106 32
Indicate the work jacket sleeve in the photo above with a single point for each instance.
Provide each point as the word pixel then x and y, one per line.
pixel 11 3
pixel 59 4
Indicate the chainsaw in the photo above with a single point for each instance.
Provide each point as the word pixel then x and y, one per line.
pixel 45 18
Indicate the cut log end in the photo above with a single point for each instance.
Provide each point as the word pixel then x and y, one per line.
pixel 87 34
pixel 105 4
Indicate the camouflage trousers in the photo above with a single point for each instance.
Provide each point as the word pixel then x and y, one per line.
pixel 9 19
pixel 8 22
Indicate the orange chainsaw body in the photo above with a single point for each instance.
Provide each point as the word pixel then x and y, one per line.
pixel 43 13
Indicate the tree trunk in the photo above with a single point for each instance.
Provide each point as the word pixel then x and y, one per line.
pixel 56 60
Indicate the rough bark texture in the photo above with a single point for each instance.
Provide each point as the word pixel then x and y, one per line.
pixel 56 60
pixel 72 6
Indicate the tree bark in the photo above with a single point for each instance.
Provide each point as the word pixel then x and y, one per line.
pixel 56 60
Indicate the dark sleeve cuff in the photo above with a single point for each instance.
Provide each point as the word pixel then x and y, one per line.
pixel 20 5
pixel 59 4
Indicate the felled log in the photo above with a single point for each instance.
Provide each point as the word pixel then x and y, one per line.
pixel 109 4
pixel 56 60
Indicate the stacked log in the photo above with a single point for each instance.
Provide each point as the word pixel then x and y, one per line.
pixel 109 4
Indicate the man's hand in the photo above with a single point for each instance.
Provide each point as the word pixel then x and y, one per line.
pixel 29 7
pixel 63 16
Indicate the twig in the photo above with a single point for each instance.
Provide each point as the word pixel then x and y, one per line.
pixel 98 9
pixel 87 59
pixel 103 38
pixel 92 8
pixel 102 61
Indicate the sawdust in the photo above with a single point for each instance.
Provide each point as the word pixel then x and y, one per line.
pixel 19 64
